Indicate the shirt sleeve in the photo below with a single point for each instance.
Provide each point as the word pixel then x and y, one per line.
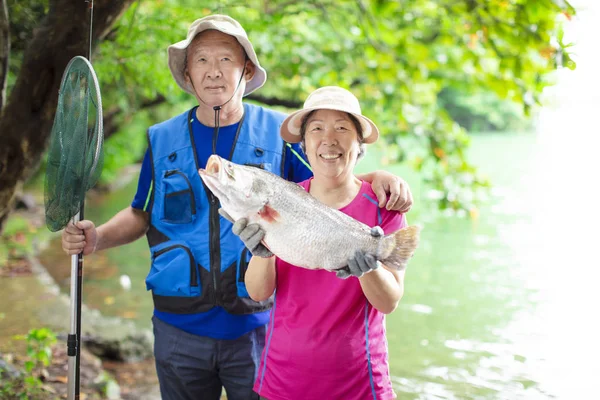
pixel 140 200
pixel 392 221
pixel 296 168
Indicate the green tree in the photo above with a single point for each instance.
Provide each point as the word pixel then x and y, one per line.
pixel 396 56
pixel 483 111
pixel 26 116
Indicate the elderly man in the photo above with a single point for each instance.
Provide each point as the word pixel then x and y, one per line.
pixel 209 333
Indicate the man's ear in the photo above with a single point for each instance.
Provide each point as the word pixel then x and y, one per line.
pixel 186 75
pixel 249 70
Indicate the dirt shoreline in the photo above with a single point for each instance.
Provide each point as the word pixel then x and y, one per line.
pixel 136 380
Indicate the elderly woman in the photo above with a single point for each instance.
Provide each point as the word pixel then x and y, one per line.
pixel 326 336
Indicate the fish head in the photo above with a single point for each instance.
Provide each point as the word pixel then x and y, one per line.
pixel 242 190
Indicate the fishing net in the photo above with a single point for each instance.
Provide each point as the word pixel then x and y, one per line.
pixel 75 156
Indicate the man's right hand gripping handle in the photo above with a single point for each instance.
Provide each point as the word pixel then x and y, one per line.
pixel 79 237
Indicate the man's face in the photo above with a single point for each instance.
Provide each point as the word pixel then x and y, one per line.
pixel 215 64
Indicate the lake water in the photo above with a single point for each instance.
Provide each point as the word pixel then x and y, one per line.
pixel 495 307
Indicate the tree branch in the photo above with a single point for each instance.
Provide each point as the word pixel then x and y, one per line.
pixel 274 101
pixel 371 20
pixel 269 9
pixel 112 116
pixel 4 51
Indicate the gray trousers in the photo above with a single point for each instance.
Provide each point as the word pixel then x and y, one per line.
pixel 191 367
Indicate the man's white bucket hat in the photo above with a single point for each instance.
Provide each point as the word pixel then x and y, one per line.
pixel 221 23
pixel 329 98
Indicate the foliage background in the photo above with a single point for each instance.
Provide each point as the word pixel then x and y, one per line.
pixel 425 71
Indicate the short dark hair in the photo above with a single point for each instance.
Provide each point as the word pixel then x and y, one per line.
pixel 353 119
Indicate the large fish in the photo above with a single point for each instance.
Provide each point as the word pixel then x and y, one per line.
pixel 298 228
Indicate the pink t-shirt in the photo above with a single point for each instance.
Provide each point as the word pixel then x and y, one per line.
pixel 324 339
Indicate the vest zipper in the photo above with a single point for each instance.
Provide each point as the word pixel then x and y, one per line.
pixel 243 265
pixel 193 274
pixel 215 244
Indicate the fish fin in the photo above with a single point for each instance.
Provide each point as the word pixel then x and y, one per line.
pixel 225 215
pixel 403 244
pixel 268 213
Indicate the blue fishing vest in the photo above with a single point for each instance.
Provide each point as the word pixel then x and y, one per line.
pixel 197 262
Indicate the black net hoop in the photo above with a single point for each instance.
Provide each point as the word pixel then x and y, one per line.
pixel 75 154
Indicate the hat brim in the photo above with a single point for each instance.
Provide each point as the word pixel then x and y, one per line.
pixel 177 56
pixel 290 128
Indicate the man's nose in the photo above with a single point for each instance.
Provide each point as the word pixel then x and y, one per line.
pixel 214 71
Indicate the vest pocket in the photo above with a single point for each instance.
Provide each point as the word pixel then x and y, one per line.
pixel 242 267
pixel 179 203
pixel 173 272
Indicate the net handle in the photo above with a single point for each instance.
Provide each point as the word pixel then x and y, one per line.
pixel 91 7
pixel 74 359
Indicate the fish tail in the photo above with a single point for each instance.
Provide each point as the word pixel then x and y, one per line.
pixel 402 246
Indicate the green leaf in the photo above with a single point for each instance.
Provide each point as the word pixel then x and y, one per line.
pixel 29 365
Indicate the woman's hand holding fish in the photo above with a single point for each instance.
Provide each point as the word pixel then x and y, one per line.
pixel 358 265
pixel 362 262
pixel 383 287
pixel 251 235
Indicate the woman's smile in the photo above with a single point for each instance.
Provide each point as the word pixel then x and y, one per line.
pixel 330 156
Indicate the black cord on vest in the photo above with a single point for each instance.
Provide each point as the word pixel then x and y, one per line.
pixel 216 131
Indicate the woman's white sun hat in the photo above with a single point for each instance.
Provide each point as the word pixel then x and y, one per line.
pixel 221 23
pixel 329 98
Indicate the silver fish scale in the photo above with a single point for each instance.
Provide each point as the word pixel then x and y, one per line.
pixel 308 233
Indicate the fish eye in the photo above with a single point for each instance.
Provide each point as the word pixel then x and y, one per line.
pixel 229 170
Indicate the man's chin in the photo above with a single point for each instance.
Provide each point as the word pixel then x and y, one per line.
pixel 215 99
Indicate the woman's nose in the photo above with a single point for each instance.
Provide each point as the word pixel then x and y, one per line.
pixel 329 137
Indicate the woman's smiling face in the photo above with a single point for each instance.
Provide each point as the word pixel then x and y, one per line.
pixel 331 143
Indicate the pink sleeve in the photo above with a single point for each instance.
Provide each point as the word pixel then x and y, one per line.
pixel 392 221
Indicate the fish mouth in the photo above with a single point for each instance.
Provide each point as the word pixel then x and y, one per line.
pixel 211 175
pixel 213 165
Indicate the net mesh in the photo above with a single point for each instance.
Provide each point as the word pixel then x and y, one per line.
pixel 75 155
